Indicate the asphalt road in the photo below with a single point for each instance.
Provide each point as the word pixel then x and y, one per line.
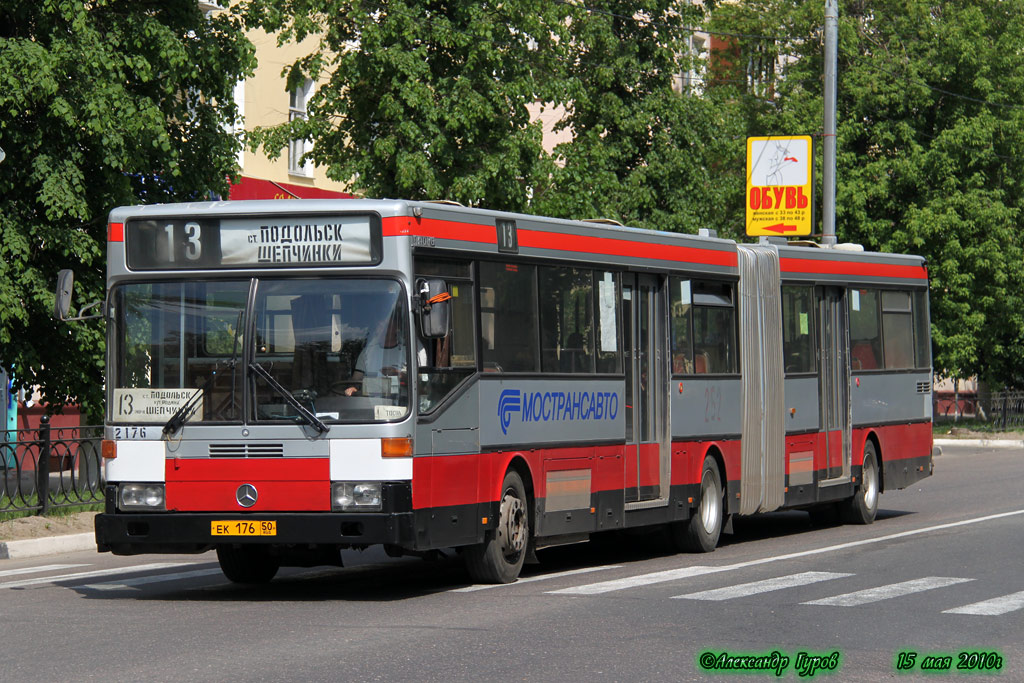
pixel 939 573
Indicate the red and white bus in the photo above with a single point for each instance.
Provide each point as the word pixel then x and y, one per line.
pixel 288 379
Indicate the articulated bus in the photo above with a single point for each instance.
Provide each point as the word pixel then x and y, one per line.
pixel 290 379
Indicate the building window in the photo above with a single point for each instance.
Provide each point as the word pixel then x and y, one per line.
pixel 298 99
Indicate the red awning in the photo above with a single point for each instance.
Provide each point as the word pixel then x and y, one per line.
pixel 257 188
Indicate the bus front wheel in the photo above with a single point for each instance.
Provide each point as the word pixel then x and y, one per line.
pixel 247 563
pixel 862 507
pixel 499 559
pixel 700 533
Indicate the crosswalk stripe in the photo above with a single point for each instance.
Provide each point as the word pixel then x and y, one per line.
pixel 42 568
pixel 84 575
pixel 530 579
pixel 143 580
pixel 754 587
pixel 640 580
pixel 892 590
pixel 993 607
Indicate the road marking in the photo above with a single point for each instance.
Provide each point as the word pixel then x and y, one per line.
pixel 993 607
pixel 892 590
pixel 743 590
pixel 99 572
pixel 143 580
pixel 42 568
pixel 530 579
pixel 686 572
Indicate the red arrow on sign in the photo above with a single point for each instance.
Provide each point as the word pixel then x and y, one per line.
pixel 780 228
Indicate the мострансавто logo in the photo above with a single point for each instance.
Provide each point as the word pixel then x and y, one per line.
pixel 556 406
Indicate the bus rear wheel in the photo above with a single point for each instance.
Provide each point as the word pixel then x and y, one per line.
pixel 247 563
pixel 700 533
pixel 862 507
pixel 499 559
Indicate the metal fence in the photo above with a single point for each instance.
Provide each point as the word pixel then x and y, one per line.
pixel 999 410
pixel 49 468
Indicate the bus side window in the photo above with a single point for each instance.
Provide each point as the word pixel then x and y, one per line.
pixel 508 317
pixel 447 361
pixel 681 312
pixel 714 328
pixel 865 330
pixel 797 335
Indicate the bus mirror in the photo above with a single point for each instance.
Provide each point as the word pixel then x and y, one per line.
pixel 62 301
pixel 435 308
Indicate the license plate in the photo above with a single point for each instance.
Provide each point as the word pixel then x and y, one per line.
pixel 244 528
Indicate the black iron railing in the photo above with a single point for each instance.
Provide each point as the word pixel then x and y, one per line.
pixel 49 468
pixel 1006 409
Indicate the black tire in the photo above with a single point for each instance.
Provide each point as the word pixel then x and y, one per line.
pixel 499 559
pixel 862 507
pixel 247 563
pixel 700 533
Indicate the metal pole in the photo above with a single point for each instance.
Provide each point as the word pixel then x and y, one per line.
pixel 829 190
pixel 43 466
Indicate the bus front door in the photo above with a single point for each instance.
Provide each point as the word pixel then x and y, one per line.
pixel 645 342
pixel 835 384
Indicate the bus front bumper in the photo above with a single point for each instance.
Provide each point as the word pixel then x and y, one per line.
pixel 191 532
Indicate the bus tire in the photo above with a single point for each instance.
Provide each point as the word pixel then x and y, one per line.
pixel 700 533
pixel 862 507
pixel 499 559
pixel 247 563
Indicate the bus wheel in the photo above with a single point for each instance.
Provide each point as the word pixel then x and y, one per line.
pixel 499 558
pixel 247 564
pixel 700 533
pixel 861 508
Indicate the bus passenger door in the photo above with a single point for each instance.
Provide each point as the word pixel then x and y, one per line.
pixel 835 384
pixel 645 340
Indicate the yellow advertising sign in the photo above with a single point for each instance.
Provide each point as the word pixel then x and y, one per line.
pixel 779 185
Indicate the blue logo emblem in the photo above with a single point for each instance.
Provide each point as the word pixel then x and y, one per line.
pixel 510 401
pixel 556 406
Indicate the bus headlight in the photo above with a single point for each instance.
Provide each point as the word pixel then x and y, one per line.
pixel 141 497
pixel 350 496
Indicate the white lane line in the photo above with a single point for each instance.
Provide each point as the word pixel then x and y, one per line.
pixel 993 607
pixel 41 568
pixel 530 579
pixel 85 575
pixel 143 580
pixel 743 590
pixel 892 590
pixel 686 572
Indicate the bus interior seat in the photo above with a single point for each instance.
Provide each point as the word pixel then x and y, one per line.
pixel 862 356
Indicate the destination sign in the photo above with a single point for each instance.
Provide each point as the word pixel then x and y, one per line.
pixel 271 241
pixel 151 405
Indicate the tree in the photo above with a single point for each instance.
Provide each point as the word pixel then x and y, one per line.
pixel 422 99
pixel 648 148
pixel 102 103
pixel 931 151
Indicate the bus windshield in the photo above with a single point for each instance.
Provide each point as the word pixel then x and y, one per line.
pixel 339 346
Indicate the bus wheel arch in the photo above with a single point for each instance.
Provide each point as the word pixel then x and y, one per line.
pixel 500 557
pixel 862 507
pixel 700 533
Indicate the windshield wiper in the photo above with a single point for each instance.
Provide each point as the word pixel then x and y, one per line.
pixel 302 410
pixel 188 408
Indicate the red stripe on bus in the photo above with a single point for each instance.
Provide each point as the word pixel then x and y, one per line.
pixel 282 484
pixel 115 232
pixel 793 265
pixel 539 239
pixel 620 247
pixel 444 230
pixel 243 469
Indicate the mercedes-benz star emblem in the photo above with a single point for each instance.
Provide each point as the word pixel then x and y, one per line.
pixel 246 495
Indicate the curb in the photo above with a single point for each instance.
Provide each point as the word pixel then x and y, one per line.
pixel 52 545
pixel 979 443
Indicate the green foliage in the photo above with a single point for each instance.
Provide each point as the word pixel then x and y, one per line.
pixel 423 99
pixel 646 149
pixel 930 150
pixel 102 104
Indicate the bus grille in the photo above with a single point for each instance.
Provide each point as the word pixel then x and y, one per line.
pixel 246 450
